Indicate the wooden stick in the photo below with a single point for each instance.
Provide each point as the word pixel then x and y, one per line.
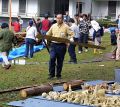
pixel 10 13
pixel 16 89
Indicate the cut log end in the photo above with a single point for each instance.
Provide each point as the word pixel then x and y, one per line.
pixel 65 86
pixel 23 93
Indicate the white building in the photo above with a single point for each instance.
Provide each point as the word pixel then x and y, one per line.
pixel 29 8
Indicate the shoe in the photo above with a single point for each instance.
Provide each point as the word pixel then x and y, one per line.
pixel 7 66
pixel 25 57
pixel 80 52
pixel 50 77
pixel 100 52
pixel 95 51
pixel 59 78
pixel 113 57
pixel 86 50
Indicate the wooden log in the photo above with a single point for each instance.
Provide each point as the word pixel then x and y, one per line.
pixel 74 85
pixel 36 90
pixel 65 40
pixel 61 40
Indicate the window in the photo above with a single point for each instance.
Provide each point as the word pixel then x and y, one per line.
pixel 61 6
pixel 22 6
pixel 79 7
pixel 112 8
pixel 5 6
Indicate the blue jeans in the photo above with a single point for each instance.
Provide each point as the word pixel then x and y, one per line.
pixel 57 53
pixel 83 39
pixel 43 32
pixel 29 47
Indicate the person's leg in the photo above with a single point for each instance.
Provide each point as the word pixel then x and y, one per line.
pixel 118 48
pixel 5 58
pixel 72 53
pixel 80 41
pixel 27 47
pixel 31 47
pixel 61 50
pixel 85 40
pixel 6 64
pixel 52 61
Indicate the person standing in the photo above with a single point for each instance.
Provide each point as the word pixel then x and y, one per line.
pixel 97 35
pixel 31 33
pixel 21 22
pixel 16 26
pixel 71 48
pixel 7 38
pixel 46 24
pixel 57 49
pixel 39 24
pixel 113 38
pixel 77 19
pixel 66 17
pixel 84 32
pixel 118 48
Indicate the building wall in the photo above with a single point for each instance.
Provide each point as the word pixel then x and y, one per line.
pixel 86 6
pixel 32 8
pixel 118 9
pixel 15 7
pixel 99 9
pixel 0 6
pixel 46 6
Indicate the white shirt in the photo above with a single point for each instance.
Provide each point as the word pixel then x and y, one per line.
pixel 75 29
pixel 95 25
pixel 31 32
pixel 21 21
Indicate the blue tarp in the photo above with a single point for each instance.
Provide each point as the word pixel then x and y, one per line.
pixel 19 52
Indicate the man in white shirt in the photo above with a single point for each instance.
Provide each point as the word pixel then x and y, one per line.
pixel 71 48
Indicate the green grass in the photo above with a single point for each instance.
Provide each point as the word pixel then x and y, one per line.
pixel 26 75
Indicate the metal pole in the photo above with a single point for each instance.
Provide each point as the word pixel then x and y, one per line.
pixel 10 14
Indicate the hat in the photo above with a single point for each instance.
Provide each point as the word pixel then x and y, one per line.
pixel 30 22
pixel 4 25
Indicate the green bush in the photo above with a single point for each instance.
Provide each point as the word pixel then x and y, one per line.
pixel 106 23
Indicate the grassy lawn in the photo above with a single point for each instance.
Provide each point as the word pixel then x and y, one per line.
pixel 26 75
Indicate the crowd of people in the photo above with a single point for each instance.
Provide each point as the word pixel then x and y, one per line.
pixel 76 29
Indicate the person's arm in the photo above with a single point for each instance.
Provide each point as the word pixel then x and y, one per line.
pixel 50 33
pixel 36 33
pixel 70 34
pixel 1 36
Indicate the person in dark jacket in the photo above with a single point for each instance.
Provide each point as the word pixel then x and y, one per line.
pixel 113 38
pixel 7 38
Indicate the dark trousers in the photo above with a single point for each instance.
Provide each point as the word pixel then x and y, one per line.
pixel 29 47
pixel 71 51
pixel 57 54
pixel 83 39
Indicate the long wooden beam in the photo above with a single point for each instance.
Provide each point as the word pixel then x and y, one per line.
pixel 61 40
